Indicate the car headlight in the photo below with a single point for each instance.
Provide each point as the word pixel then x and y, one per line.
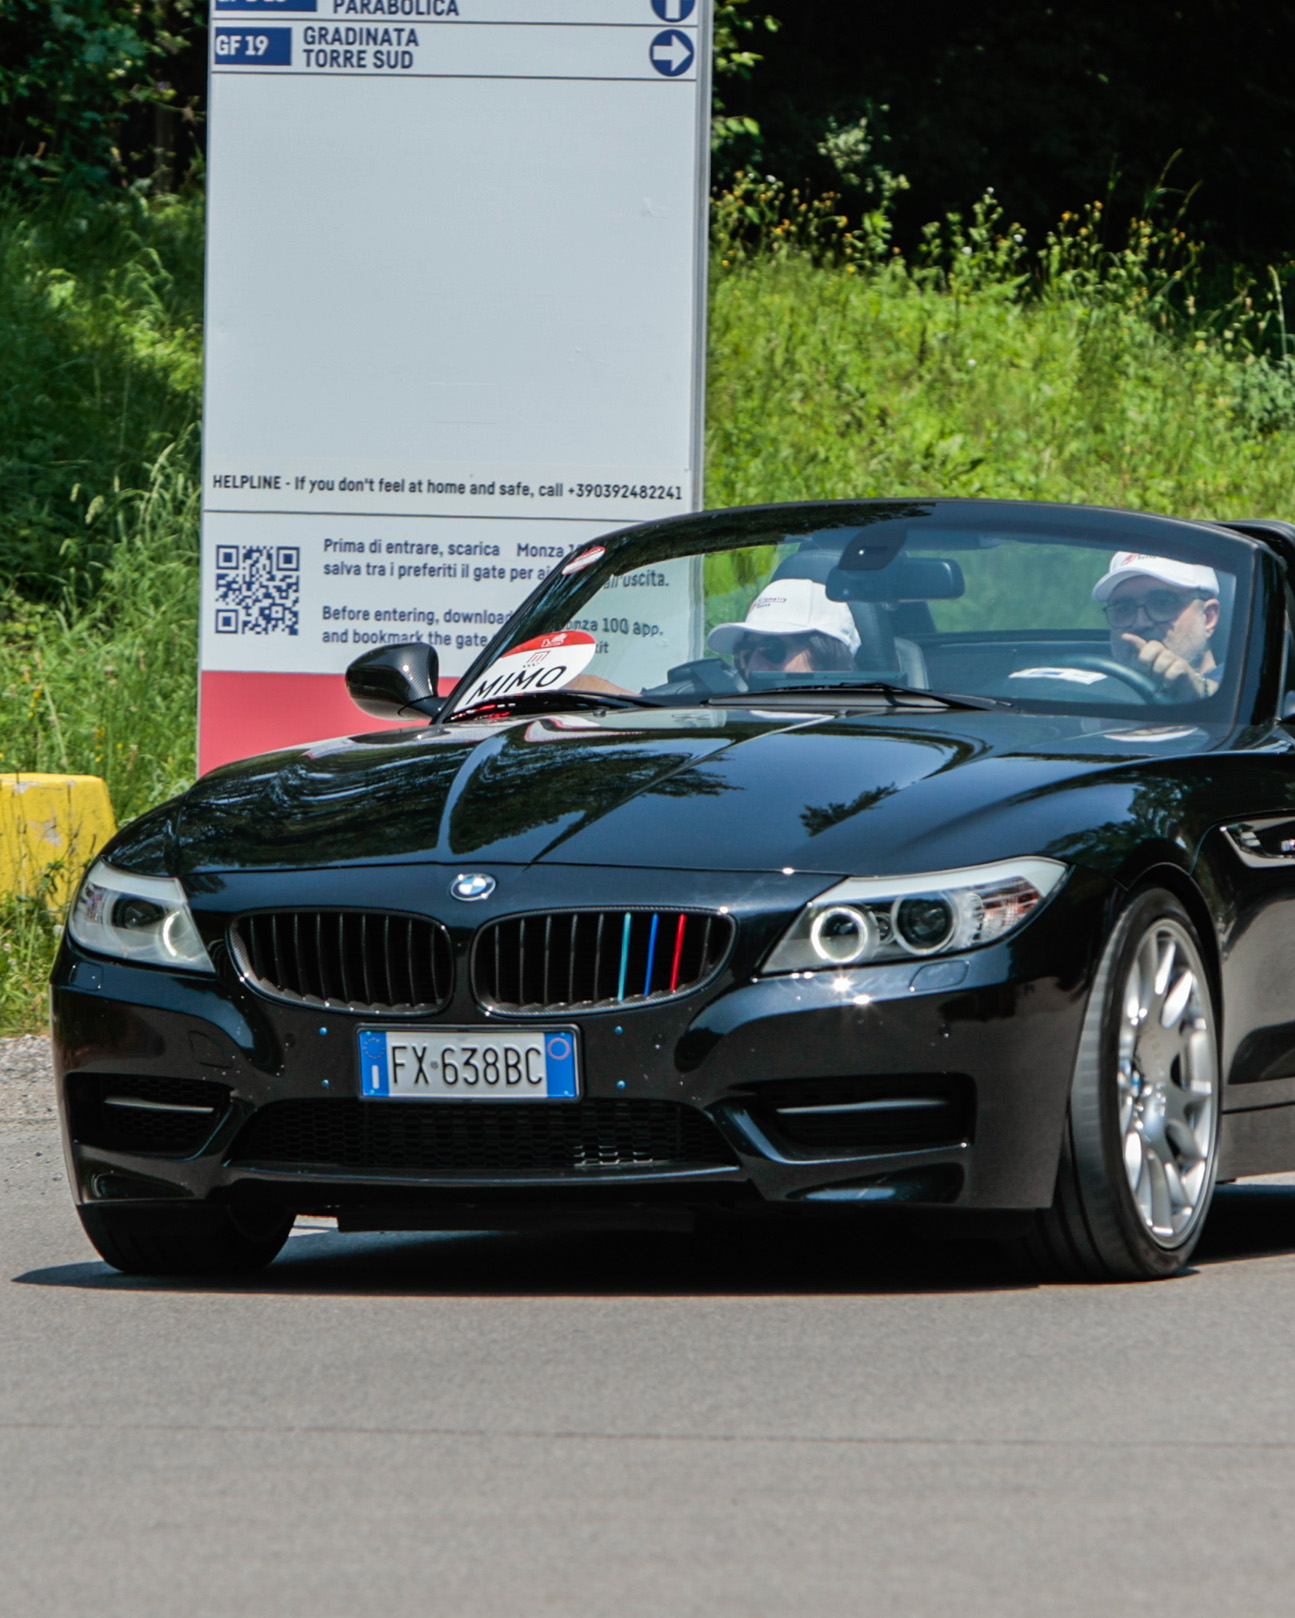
pixel 145 919
pixel 867 919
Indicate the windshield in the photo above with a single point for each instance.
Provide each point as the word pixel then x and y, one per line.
pixel 1005 603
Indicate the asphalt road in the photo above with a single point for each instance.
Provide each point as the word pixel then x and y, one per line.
pixel 749 1425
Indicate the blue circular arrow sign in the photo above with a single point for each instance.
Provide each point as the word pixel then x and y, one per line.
pixel 674 10
pixel 672 53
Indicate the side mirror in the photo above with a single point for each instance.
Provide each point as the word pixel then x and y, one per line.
pixel 395 682
pixel 1288 708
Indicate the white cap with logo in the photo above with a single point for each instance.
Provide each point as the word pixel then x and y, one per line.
pixel 1136 565
pixel 789 607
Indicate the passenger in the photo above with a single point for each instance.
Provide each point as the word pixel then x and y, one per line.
pixel 1162 615
pixel 790 628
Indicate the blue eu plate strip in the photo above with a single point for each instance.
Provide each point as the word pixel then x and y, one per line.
pixel 560 1064
pixel 373 1063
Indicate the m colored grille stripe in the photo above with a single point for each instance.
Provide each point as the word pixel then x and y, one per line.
pixel 587 958
pixel 678 953
pixel 647 982
pixel 625 956
pixel 363 960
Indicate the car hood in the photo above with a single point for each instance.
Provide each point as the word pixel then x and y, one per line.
pixel 730 789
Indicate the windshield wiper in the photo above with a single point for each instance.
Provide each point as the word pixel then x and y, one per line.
pixel 553 701
pixel 895 695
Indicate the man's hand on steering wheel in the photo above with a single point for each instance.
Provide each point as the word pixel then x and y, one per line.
pixel 1176 679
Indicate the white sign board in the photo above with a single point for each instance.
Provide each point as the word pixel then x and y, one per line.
pixel 455 324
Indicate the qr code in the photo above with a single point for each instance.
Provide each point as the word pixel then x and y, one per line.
pixel 258 589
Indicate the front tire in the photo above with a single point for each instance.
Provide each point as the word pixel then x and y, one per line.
pixel 1139 1153
pixel 184 1239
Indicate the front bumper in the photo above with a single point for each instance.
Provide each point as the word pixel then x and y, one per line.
pixel 985 1041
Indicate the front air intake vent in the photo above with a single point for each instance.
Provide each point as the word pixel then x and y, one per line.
pixel 571 960
pixel 875 1114
pixel 143 1113
pixel 355 960
pixel 450 1138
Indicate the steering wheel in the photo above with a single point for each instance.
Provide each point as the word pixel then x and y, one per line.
pixel 1138 679
pixel 704 676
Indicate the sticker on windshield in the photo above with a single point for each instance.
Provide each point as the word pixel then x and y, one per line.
pixel 578 564
pixel 545 664
pixel 1075 676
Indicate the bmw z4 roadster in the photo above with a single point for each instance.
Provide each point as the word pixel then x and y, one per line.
pixel 926 854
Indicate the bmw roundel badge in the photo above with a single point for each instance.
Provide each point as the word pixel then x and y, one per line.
pixel 472 885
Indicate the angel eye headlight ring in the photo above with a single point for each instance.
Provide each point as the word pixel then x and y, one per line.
pixel 145 920
pixel 863 920
pixel 842 935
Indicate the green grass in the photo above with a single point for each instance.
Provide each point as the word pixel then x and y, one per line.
pixel 29 930
pixel 837 369
pixel 881 378
pixel 107 687
pixel 100 374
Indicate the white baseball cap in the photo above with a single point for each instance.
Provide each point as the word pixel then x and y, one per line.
pixel 1135 565
pixel 789 607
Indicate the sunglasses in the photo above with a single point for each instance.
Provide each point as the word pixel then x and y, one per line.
pixel 1160 606
pixel 778 650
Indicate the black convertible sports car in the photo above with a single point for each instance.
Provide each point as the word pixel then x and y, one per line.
pixel 932 854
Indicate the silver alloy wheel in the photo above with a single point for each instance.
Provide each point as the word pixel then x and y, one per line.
pixel 1168 1084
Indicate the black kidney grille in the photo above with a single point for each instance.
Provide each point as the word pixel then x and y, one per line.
pixel 904 1112
pixel 143 1113
pixel 587 958
pixel 481 1139
pixel 358 959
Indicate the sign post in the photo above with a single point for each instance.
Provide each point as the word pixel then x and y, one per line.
pixel 456 286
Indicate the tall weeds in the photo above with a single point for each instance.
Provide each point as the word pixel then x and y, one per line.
pixel 100 372
pixel 102 687
pixel 106 687
pixel 1083 371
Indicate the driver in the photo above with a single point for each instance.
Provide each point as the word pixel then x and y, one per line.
pixel 1162 615
pixel 790 628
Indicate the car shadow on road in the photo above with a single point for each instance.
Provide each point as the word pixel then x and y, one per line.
pixel 744 1259
pixel 765 1258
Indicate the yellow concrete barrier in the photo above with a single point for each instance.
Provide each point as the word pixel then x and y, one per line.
pixel 51 826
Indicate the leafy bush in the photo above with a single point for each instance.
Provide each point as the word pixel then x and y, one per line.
pixel 89 93
pixel 1266 395
pixel 1048 102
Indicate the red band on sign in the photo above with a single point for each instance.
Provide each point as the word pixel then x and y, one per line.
pixel 242 714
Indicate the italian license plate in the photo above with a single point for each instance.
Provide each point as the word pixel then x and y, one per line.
pixel 468 1064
